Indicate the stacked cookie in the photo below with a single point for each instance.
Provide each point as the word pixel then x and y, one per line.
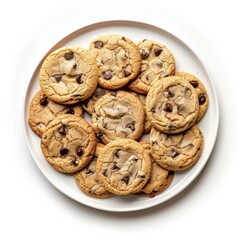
pixel 129 90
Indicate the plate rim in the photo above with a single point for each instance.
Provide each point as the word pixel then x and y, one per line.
pixel 71 194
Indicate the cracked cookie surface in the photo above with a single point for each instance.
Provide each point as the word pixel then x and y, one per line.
pixel 87 180
pixel 88 105
pixel 177 152
pixel 43 111
pixel 200 89
pixel 172 105
pixel 159 180
pixel 69 75
pixel 68 143
pixel 118 58
pixel 123 166
pixel 157 61
pixel 118 115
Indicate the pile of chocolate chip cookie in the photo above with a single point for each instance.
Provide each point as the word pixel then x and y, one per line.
pixel 129 90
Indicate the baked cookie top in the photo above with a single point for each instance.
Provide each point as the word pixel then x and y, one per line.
pixel 177 152
pixel 87 180
pixel 172 105
pixel 157 61
pixel 43 111
pixel 68 143
pixel 69 75
pixel 159 180
pixel 118 58
pixel 118 115
pixel 88 105
pixel 201 92
pixel 123 166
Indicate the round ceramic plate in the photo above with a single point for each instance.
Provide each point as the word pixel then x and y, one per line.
pixel 186 60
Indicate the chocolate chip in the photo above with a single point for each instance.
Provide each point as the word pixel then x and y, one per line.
pixel 172 126
pixel 89 172
pixel 126 73
pixel 75 66
pixel 104 172
pixel 124 39
pixel 144 40
pixel 58 77
pixel 70 111
pixel 75 162
pixel 170 94
pixel 115 167
pixel 79 79
pixel 201 98
pixel 62 129
pixel 135 159
pixel 174 152
pixel 168 107
pixel 105 125
pixel 131 126
pixel 153 111
pixel 194 83
pixel 157 51
pixel 98 44
pixel 64 151
pixel 68 55
pixel 79 151
pixel 99 135
pixel 107 75
pixel 125 179
pixel 43 101
pixel 144 54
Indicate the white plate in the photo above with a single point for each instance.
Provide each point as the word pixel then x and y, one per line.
pixel 186 60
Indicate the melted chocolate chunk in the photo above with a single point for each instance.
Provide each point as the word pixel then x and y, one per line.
pixel 75 66
pixel 201 99
pixel 157 51
pixel 69 55
pixel 194 83
pixel 144 54
pixel 125 179
pixel 168 107
pixel 62 129
pixel 126 73
pixel 174 152
pixel 79 151
pixel 64 151
pixel 98 44
pixel 79 79
pixel 107 75
pixel 58 77
pixel 44 101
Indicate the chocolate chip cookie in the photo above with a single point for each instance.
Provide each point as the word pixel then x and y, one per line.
pixel 177 152
pixel 159 180
pixel 43 111
pixel 87 180
pixel 118 58
pixel 123 166
pixel 201 91
pixel 157 61
pixel 172 105
pixel 68 143
pixel 69 75
pixel 118 115
pixel 88 105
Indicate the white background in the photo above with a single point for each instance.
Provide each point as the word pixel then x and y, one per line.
pixel 31 208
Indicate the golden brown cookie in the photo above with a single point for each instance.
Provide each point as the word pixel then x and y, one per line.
pixel 43 111
pixel 157 61
pixel 118 115
pixel 87 180
pixel 172 105
pixel 201 91
pixel 177 152
pixel 159 180
pixel 123 166
pixel 69 75
pixel 68 143
pixel 118 58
